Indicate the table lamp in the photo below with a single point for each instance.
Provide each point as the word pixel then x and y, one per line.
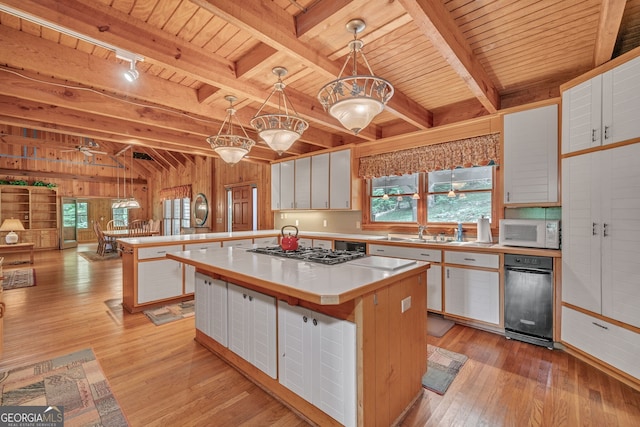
pixel 11 225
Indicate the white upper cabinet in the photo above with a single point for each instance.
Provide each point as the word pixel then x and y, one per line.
pixel 602 110
pixel 287 179
pixel 320 181
pixel 340 180
pixel 275 186
pixel 531 156
pixel 601 233
pixel 303 183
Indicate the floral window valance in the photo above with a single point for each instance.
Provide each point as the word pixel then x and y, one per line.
pixel 477 151
pixel 179 192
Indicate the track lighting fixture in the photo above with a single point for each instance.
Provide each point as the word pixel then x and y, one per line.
pixel 132 74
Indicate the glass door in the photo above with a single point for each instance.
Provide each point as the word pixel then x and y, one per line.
pixel 69 237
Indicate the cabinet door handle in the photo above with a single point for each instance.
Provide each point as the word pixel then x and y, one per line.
pixel 379 250
pixel 250 298
pixel 508 196
pixel 593 229
pixel 425 255
pixel 605 233
pixel 606 132
pixel 593 135
pixel 447 273
pixel 3 307
pixel 244 296
pixel 470 259
pixel 304 319
pixel 600 326
pixel 315 322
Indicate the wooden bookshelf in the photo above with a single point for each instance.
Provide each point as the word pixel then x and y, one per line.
pixel 37 208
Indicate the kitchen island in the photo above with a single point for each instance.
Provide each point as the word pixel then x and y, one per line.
pixel 357 329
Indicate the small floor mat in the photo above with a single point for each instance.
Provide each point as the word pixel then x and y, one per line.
pixel 443 366
pixel 20 278
pixel 437 326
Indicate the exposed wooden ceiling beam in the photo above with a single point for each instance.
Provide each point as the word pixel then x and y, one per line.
pixel 57 175
pixel 108 24
pixel 272 25
pixel 611 12
pixel 317 14
pixel 436 24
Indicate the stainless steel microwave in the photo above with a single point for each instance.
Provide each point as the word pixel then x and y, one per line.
pixel 530 233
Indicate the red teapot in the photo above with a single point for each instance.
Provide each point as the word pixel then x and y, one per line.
pixel 289 243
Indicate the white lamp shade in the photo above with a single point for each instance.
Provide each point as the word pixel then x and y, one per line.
pixel 356 113
pixel 280 140
pixel 231 155
pixel 132 204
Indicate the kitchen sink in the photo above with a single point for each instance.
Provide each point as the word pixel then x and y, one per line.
pixel 414 240
pixel 477 244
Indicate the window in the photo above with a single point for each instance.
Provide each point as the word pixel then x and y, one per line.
pixel 392 198
pixel 82 215
pixel 120 215
pixel 471 197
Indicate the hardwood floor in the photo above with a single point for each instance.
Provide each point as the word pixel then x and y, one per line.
pixel 162 377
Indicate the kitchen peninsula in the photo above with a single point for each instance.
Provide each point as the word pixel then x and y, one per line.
pixel 342 344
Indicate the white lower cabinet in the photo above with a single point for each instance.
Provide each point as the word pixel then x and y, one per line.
pixel 474 294
pixel 158 280
pixel 612 344
pixel 317 360
pixel 252 327
pixel 211 307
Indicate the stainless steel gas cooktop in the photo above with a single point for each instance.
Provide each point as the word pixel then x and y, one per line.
pixel 319 255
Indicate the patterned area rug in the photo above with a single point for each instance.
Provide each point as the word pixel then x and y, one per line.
pixel 93 256
pixel 170 313
pixel 74 381
pixel 443 366
pixel 20 278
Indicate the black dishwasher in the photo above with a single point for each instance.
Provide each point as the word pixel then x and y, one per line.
pixel 528 299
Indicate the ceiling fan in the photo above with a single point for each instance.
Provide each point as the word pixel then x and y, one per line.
pixel 88 148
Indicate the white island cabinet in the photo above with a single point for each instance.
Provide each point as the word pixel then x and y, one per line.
pixel 252 327
pixel 211 307
pixel 358 360
pixel 317 360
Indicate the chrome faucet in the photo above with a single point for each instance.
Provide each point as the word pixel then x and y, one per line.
pixel 421 230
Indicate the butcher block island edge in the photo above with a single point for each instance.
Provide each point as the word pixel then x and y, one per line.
pixel 375 319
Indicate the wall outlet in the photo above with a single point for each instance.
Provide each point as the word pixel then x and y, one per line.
pixel 357 224
pixel 285 216
pixel 281 216
pixel 297 223
pixel 406 304
pixel 324 222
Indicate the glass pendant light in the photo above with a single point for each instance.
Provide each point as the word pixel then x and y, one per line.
pixel 279 130
pixel 356 99
pixel 230 147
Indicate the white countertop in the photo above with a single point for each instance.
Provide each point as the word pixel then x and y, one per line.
pixel 196 237
pixel 318 283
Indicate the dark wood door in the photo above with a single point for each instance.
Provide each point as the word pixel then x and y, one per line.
pixel 242 208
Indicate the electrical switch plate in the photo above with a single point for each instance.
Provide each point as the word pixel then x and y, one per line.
pixel 406 304
pixel 357 224
pixel 324 222
pixel 297 223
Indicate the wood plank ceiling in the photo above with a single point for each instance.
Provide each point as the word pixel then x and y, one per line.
pixel 449 60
